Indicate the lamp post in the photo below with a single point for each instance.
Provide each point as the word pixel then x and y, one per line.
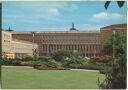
pixel 113 47
pixel 33 36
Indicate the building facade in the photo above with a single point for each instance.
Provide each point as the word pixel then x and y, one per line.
pixel 106 32
pixel 89 44
pixel 6 44
pixel 22 48
pixel 86 43
pixel 14 48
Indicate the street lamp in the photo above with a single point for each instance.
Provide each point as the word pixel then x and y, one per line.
pixel 33 36
pixel 113 44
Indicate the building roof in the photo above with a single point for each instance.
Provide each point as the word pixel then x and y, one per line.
pixel 115 26
pixel 73 31
pixel 23 41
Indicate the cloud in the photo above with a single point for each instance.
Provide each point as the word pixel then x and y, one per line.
pixel 106 16
pixel 101 15
pixel 89 27
pixel 52 11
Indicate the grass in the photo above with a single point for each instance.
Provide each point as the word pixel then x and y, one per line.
pixel 28 78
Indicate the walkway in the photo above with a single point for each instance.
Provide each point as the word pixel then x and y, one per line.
pixel 70 69
pixel 18 66
pixel 85 70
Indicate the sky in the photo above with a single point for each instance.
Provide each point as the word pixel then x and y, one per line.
pixel 59 15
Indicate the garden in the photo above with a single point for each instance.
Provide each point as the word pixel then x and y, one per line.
pixel 59 60
pixel 112 69
pixel 51 72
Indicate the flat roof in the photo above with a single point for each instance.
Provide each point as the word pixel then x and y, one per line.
pixel 23 41
pixel 115 26
pixel 56 32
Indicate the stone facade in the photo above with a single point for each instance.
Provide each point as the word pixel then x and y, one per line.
pixel 13 48
pixel 6 44
pixel 22 48
pixel 6 41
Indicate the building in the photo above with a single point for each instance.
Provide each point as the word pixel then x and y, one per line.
pixel 107 31
pixel 22 48
pixel 86 43
pixel 14 48
pixel 89 44
pixel 6 44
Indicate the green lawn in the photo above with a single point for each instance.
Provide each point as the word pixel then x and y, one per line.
pixel 28 78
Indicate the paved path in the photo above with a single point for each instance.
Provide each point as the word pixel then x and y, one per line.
pixel 85 70
pixel 18 66
pixel 70 69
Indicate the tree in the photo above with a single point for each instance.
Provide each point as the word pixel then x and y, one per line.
pixel 115 69
pixel 118 41
pixel 120 4
pixel 115 73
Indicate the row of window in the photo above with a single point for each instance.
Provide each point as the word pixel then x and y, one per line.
pixel 67 37
pixel 71 47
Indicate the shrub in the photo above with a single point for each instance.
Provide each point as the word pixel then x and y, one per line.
pixel 91 66
pixel 27 63
pixel 49 65
pixel 115 72
pixel 14 62
pixel 60 54
pixel 86 65
pixel 73 60
pixel 53 63
pixel 5 62
pixel 43 59
pixel 74 65
pixel 45 67
pixel 28 59
pixel 104 59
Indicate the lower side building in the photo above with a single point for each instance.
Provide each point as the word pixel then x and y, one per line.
pixel 14 48
pixel 22 48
